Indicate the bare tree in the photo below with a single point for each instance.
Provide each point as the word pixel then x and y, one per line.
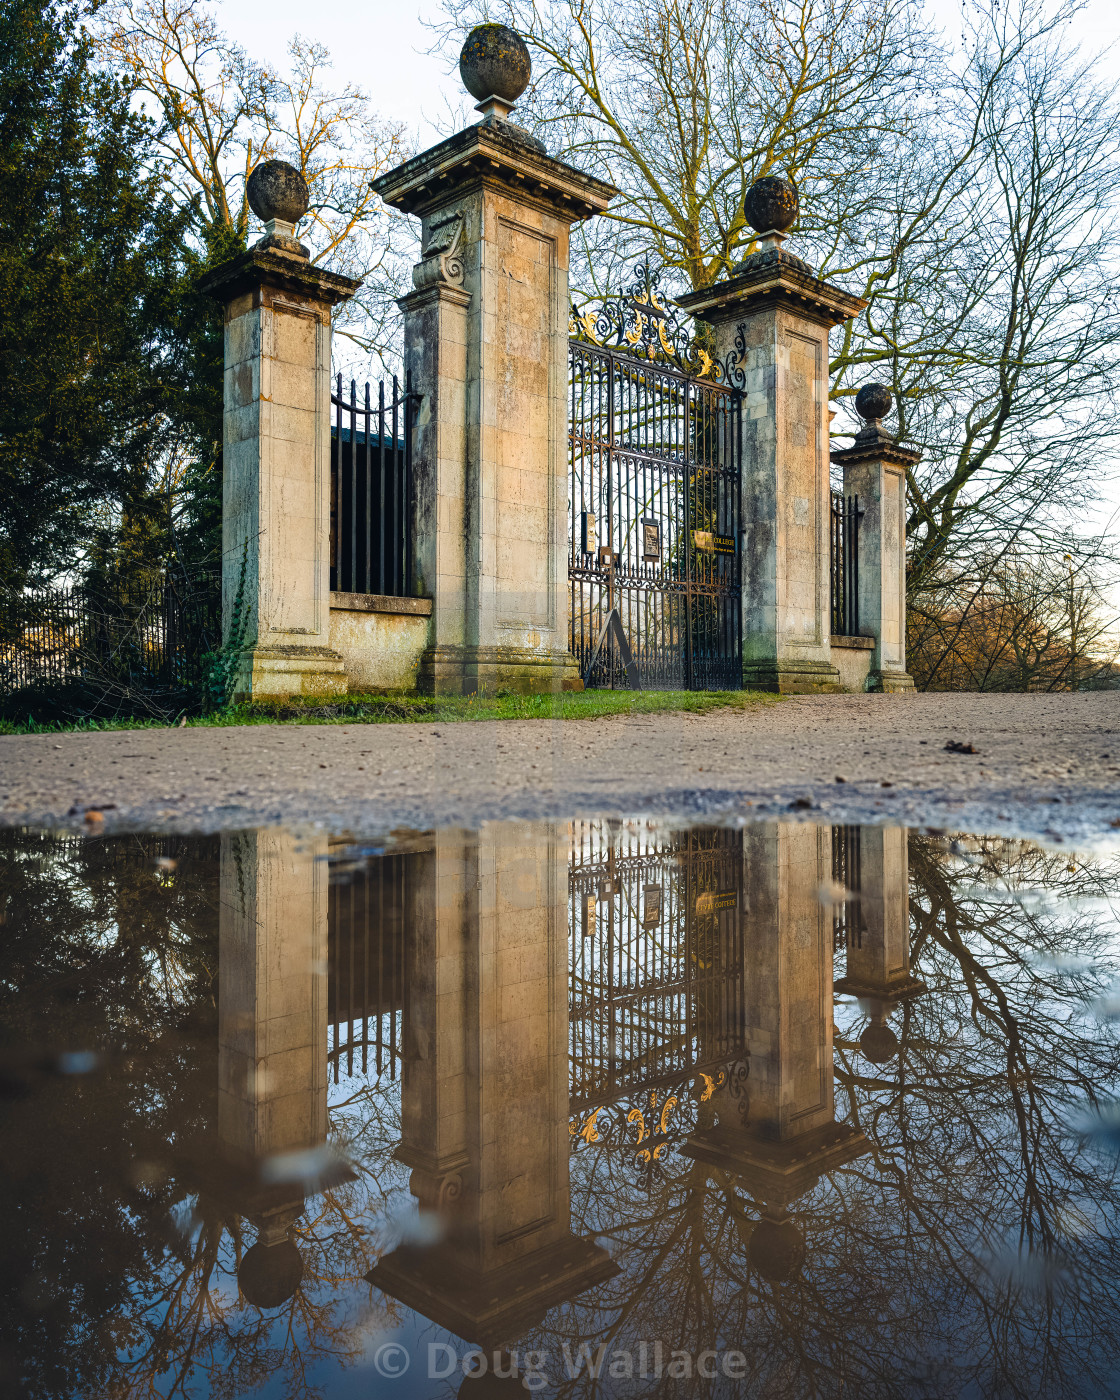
pixel 967 189
pixel 1022 622
pixel 993 312
pixel 683 103
pixel 219 113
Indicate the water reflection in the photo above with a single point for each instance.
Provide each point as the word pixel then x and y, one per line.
pixel 787 1109
pixel 777 1143
pixel 484 1102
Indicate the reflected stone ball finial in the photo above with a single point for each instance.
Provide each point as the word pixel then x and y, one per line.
pixel 270 1275
pixel 776 1250
pixel 279 197
pixel 495 68
pixel 878 1043
pixel 771 204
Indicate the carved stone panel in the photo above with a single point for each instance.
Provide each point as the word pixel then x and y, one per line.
pixel 522 466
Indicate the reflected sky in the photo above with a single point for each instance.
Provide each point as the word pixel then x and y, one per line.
pixel 585 1108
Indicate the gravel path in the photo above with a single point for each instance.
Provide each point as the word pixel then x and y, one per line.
pixel 1045 764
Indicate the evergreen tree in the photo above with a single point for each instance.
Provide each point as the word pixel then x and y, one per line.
pixel 101 334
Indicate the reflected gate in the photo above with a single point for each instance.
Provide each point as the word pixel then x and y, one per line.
pixel 657 995
pixel 653 502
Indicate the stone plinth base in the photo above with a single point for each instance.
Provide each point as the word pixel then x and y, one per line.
pixel 267 673
pixel 489 670
pixel 890 682
pixel 852 658
pixel 380 639
pixel 491 1307
pixel 774 1170
pixel 895 992
pixel 792 677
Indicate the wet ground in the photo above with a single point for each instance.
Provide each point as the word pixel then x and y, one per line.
pixel 1044 764
pixel 578 1108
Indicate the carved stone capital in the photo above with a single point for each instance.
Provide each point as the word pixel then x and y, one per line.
pixel 436 1191
pixel 441 261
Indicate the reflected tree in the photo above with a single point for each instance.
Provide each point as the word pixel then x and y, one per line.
pixel 973 1250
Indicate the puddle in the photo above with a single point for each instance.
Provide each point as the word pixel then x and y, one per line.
pixel 590 1108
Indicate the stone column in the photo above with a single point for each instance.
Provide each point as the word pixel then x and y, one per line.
pixel 276 450
pixel 783 1138
pixel 486 340
pixel 875 470
pixel 877 969
pixel 485 1090
pixel 272 1042
pixel 770 323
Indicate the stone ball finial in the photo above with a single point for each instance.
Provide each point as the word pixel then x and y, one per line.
pixel 874 402
pixel 771 203
pixel 495 63
pixel 278 191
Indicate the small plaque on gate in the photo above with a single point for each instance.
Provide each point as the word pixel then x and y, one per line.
pixel 713 900
pixel 588 542
pixel 712 543
pixel 651 540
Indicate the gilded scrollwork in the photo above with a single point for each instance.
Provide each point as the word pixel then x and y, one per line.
pixel 643 321
pixel 645 1125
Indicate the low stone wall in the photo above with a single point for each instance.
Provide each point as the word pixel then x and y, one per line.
pixel 380 639
pixel 852 658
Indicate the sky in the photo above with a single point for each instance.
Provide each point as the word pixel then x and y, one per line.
pixel 383 45
pixel 378 44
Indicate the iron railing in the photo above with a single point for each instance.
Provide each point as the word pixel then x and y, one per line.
pixel 139 647
pixel 372 490
pixel 845 565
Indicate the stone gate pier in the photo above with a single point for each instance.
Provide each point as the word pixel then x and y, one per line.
pixel 486 340
pixel 771 320
pixel 875 469
pixel 276 450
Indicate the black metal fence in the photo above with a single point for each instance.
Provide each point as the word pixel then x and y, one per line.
pixel 109 647
pixel 845 565
pixel 371 490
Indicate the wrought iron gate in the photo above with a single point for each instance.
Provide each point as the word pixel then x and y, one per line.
pixel 653 501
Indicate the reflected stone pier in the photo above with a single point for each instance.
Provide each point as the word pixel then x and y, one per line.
pixel 878 958
pixel 485 1090
pixel 272 1044
pixel 783 1138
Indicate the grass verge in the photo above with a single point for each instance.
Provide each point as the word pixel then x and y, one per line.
pixel 396 709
